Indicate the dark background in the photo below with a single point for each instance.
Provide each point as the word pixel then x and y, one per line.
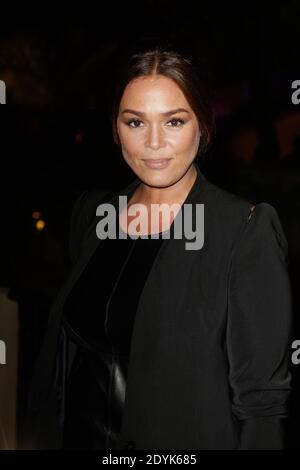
pixel 56 139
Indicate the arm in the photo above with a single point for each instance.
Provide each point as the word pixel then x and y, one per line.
pixel 259 331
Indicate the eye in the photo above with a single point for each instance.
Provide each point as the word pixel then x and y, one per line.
pixel 133 121
pixel 176 122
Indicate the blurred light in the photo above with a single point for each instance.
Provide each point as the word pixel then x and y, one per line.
pixel 79 137
pixel 36 214
pixel 40 224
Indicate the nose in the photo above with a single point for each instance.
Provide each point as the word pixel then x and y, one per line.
pixel 155 137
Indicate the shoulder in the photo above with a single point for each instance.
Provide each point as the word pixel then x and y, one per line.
pixel 264 229
pixel 240 218
pixel 224 209
pixel 82 214
pixel 86 202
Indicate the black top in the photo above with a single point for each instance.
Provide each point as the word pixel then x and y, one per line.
pixel 99 317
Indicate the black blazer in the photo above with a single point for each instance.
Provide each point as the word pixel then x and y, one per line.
pixel 209 362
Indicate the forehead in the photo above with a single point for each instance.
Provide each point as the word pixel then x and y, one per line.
pixel 153 90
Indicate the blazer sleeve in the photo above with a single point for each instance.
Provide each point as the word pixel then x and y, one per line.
pixel 259 330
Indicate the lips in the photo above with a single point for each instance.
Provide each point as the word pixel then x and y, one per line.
pixel 157 162
pixel 156 159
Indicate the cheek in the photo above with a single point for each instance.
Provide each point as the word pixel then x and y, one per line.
pixel 130 143
pixel 186 140
pixel 125 138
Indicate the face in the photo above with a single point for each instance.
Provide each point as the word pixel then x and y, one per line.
pixel 156 122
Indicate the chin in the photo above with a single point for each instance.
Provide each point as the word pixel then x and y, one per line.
pixel 159 179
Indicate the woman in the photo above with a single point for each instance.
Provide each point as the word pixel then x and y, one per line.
pixel 151 345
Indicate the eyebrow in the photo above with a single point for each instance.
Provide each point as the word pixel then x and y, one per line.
pixel 166 113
